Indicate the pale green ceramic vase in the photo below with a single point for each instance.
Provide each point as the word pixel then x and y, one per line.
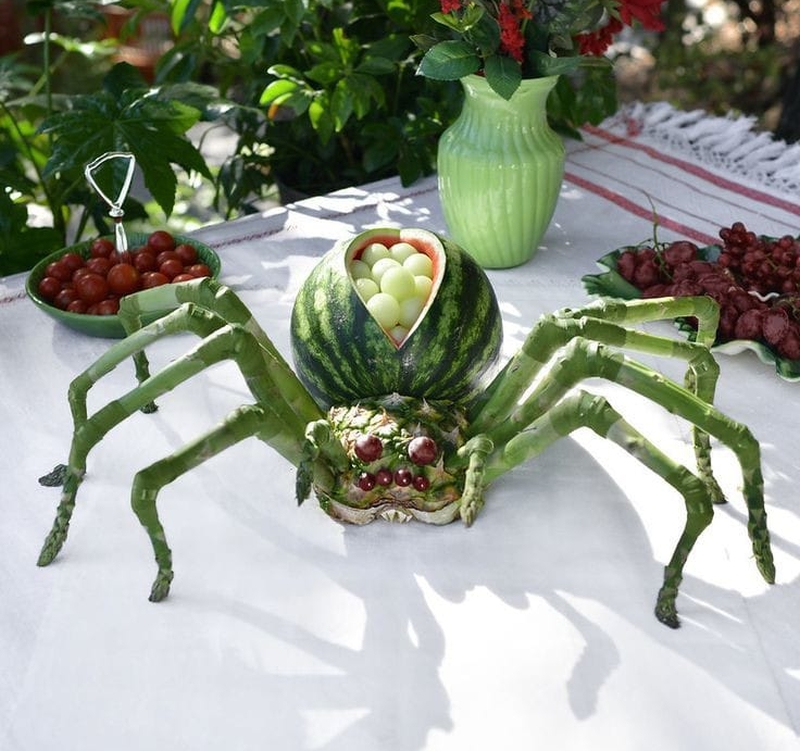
pixel 500 168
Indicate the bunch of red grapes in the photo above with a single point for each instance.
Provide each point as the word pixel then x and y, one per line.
pixel 755 280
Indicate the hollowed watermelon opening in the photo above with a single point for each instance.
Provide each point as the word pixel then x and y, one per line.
pixel 342 354
pixel 392 281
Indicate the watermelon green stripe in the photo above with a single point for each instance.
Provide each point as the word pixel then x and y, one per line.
pixel 342 355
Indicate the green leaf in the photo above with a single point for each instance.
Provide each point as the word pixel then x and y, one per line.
pixel 473 13
pixel 277 89
pixel 286 71
pixel 547 65
pixel 101 48
pixel 376 66
pixel 321 118
pixel 503 74
pixel 294 11
pixel 382 150
pixel 267 20
pixel 363 90
pixel 22 246
pixel 326 73
pixel 341 105
pixel 121 78
pixel 393 47
pixel 410 168
pixel 183 13
pixel 219 18
pixel 449 61
pixel 151 129
pixel 485 36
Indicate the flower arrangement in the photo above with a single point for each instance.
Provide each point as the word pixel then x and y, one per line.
pixel 508 40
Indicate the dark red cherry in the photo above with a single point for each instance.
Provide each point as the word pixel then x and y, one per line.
pixel 421 483
pixel 384 477
pixel 403 477
pixel 366 481
pixel 422 450
pixel 368 448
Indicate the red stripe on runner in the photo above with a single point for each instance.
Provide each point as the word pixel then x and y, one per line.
pixel 640 211
pixel 791 207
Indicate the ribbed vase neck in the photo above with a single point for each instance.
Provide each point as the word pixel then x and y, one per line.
pixel 528 104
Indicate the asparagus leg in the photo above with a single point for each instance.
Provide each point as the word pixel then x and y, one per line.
pixel 583 409
pixel 244 422
pixel 605 321
pixel 225 343
pixel 584 359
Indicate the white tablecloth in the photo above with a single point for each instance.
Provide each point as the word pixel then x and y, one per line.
pixel 532 629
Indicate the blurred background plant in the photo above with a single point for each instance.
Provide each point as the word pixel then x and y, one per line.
pixel 307 95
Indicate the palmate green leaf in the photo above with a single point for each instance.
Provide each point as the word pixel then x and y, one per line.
pixel 449 61
pixel 151 129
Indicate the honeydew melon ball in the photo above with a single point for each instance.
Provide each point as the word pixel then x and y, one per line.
pixel 367 288
pixel 398 333
pixel 374 252
pixel 402 250
pixel 360 270
pixel 381 266
pixel 410 308
pixel 384 309
pixel 398 282
pixel 419 265
pixel 424 286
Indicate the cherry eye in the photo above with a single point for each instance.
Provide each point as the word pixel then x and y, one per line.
pixel 421 483
pixel 368 448
pixel 384 476
pixel 366 481
pixel 403 477
pixel 422 450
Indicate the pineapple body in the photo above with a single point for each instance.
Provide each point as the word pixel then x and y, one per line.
pixel 396 484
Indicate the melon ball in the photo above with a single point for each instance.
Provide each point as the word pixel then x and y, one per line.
pixel 374 252
pixel 398 282
pixel 424 286
pixel 366 288
pixel 384 309
pixel 360 270
pixel 419 265
pixel 398 333
pixel 402 250
pixel 410 309
pixel 381 266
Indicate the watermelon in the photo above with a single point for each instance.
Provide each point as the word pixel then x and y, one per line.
pixel 342 354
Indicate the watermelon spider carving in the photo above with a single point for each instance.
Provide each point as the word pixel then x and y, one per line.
pixel 407 423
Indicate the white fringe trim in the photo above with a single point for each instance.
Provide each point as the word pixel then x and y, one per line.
pixel 724 143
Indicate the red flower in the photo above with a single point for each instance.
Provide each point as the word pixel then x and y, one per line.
pixel 646 12
pixel 510 19
pixel 598 41
pixel 450 6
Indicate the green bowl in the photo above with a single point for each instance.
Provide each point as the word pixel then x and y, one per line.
pixel 108 327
